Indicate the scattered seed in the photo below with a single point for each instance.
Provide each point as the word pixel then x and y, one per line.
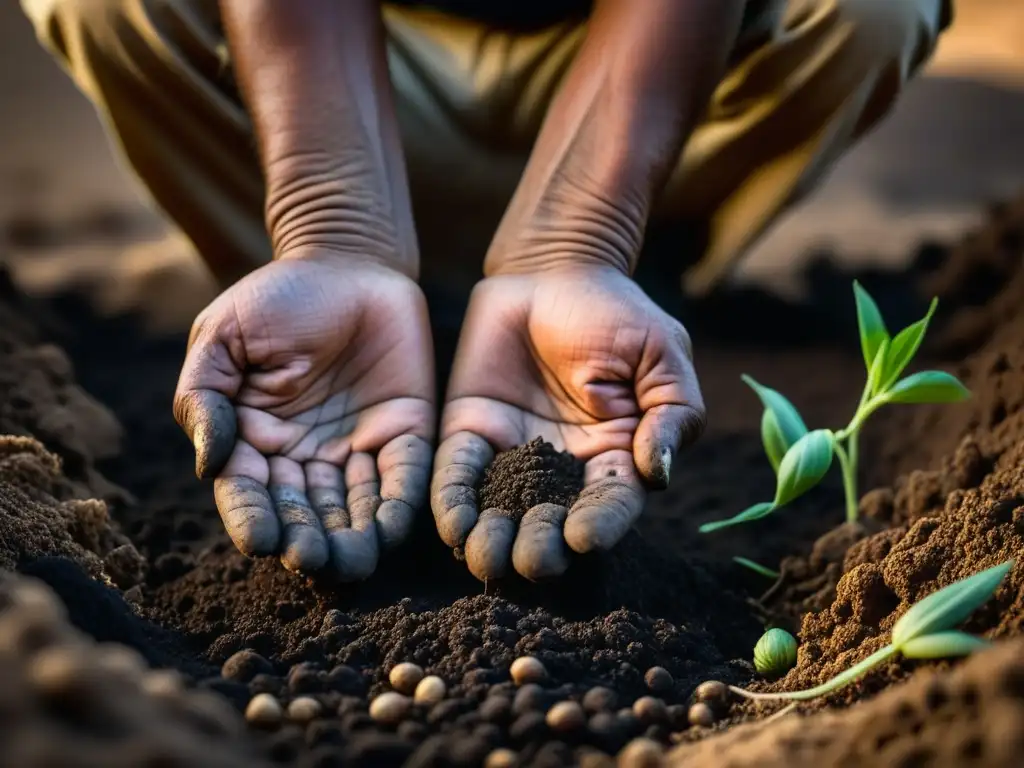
pixel 264 711
pixel 701 714
pixel 712 693
pixel 304 708
pixel 430 690
pixel 390 707
pixel 599 699
pixel 405 677
pixel 566 716
pixel 529 698
pixel 527 669
pixel 650 710
pixel 500 758
pixel 659 680
pixel 640 753
pixel 244 665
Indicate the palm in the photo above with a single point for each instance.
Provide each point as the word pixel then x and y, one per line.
pixel 328 368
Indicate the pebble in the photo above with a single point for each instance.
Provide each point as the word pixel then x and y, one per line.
pixel 302 709
pixel 593 758
pixel 599 699
pixel 405 677
pixel 659 680
pixel 650 710
pixel 641 753
pixel 701 714
pixel 346 680
pixel 713 693
pixel 527 669
pixel 530 697
pixel 528 728
pixel 566 716
pixel 264 711
pixel 496 709
pixel 430 690
pixel 244 665
pixel 390 707
pixel 500 758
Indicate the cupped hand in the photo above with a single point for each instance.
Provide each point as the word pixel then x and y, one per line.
pixel 583 358
pixel 307 391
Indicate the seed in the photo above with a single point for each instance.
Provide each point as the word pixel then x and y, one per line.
pixel 390 707
pixel 264 711
pixel 244 665
pixel 701 714
pixel 713 693
pixel 528 698
pixel 566 716
pixel 302 709
pixel 775 653
pixel 162 682
pixel 500 758
pixel 659 680
pixel 599 699
pixel 527 669
pixel 640 753
pixel 405 677
pixel 650 710
pixel 430 690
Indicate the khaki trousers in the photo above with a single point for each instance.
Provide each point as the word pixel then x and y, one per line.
pixel 470 101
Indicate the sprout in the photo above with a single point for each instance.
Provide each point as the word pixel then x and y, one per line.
pixel 775 653
pixel 801 457
pixel 924 632
pixel 763 570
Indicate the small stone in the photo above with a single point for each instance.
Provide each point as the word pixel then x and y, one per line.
pixel 641 753
pixel 587 757
pixel 713 693
pixel 264 711
pixel 405 677
pixel 701 714
pixel 529 698
pixel 565 717
pixel 244 666
pixel 305 679
pixel 527 669
pixel 677 716
pixel 346 680
pixel 606 732
pixel 500 758
pixel 659 680
pixel 496 709
pixel 650 710
pixel 390 707
pixel 304 708
pixel 430 690
pixel 599 699
pixel 528 728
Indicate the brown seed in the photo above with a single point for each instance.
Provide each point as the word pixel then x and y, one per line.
pixel 405 677
pixel 431 689
pixel 500 758
pixel 701 714
pixel 162 682
pixel 599 699
pixel 390 707
pixel 641 753
pixel 527 669
pixel 566 716
pixel 713 693
pixel 264 711
pixel 659 680
pixel 302 709
pixel 650 710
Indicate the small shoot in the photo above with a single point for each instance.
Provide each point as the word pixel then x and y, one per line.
pixel 801 457
pixel 757 568
pixel 926 631
pixel 775 653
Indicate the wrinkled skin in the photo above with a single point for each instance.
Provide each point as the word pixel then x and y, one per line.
pixel 582 357
pixel 307 392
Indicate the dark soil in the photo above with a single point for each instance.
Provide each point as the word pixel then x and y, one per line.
pixel 947 500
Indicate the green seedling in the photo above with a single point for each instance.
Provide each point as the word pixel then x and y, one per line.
pixel 775 653
pixel 926 631
pixel 801 457
pixel 757 568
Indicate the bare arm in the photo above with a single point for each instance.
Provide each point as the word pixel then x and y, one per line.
pixel 635 91
pixel 314 76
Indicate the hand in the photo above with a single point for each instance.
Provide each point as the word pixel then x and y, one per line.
pixel 583 358
pixel 307 392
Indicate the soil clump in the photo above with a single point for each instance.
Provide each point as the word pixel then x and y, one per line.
pixel 530 474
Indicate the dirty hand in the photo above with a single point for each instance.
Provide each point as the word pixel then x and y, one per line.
pixel 307 392
pixel 583 358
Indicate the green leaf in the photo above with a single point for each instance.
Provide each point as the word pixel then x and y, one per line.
pixel 943 645
pixel 877 369
pixel 781 424
pixel 804 464
pixel 755 512
pixel 757 568
pixel 872 327
pixel 946 608
pixel 928 387
pixel 903 348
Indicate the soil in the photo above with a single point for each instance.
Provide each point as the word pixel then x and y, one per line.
pixel 147 565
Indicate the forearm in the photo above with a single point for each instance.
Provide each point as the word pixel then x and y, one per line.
pixel 313 74
pixel 612 134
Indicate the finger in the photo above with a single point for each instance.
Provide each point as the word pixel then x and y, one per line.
pixel 489 545
pixel 404 465
pixel 303 544
pixel 354 550
pixel 611 501
pixel 662 431
pixel 325 487
pixel 245 505
pixel 540 550
pixel 208 419
pixel 458 469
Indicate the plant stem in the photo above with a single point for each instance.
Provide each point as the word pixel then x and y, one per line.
pixel 848 464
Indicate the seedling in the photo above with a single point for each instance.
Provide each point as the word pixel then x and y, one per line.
pixel 924 632
pixel 757 568
pixel 802 457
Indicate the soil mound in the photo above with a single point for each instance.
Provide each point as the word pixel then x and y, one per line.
pixel 528 475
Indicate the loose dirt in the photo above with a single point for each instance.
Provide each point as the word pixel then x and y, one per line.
pixel 945 498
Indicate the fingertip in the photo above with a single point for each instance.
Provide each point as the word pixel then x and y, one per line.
pixel 306 549
pixel 395 520
pixel 662 432
pixel 540 550
pixel 489 545
pixel 209 420
pixel 354 554
pixel 247 512
pixel 587 530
